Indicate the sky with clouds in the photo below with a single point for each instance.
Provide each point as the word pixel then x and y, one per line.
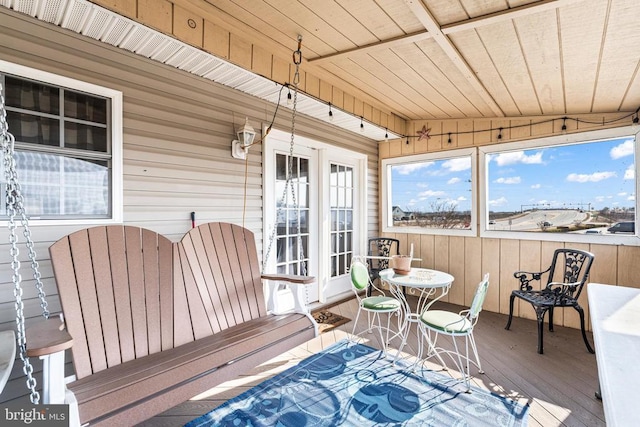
pixel 592 175
pixel 589 175
pixel 418 186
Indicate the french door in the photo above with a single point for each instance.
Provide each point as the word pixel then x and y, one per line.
pixel 314 226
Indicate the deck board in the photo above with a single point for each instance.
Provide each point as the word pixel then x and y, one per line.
pixel 559 385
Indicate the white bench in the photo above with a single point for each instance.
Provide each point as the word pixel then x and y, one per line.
pixel 615 319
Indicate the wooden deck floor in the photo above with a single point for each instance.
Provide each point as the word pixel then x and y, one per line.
pixel 559 385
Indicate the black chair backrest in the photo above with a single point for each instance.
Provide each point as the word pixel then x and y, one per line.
pixel 571 266
pixel 383 247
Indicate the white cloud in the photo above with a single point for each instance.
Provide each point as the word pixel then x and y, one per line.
pixel 536 186
pixel 511 180
pixel 454 181
pixel 458 164
pixel 430 193
pixel 409 168
pixel 594 177
pixel 462 199
pixel 622 150
pixel 622 194
pixel 504 159
pixel 630 173
pixel 498 202
pixel 631 198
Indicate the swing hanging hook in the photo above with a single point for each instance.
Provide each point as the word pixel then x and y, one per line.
pixel 297 54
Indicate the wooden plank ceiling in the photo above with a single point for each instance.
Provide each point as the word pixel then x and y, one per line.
pixel 426 59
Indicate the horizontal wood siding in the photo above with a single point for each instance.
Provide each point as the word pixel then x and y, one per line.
pixel 177 159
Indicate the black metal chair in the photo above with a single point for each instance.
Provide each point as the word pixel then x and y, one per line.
pixel 570 267
pixel 382 247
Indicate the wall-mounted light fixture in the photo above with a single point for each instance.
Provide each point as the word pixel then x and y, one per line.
pixel 240 146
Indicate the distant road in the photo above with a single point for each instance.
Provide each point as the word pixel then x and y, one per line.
pixel 529 220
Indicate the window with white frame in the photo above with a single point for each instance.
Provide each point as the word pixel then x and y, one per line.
pixel 67 145
pixel 432 193
pixel 570 188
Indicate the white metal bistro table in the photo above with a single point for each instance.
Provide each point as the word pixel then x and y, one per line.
pixel 428 285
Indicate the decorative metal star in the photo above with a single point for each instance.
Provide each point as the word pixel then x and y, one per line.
pixel 424 133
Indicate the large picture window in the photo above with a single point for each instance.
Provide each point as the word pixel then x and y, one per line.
pixel 430 193
pixel 570 188
pixel 67 145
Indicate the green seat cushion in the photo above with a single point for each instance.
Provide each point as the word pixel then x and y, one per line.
pixel 381 303
pixel 446 321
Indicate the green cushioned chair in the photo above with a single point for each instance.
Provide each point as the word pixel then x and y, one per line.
pixel 456 325
pixel 375 305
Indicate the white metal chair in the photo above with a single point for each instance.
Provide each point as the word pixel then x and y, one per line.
pixel 456 325
pixel 374 305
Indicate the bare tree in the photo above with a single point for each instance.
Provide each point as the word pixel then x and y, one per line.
pixel 443 214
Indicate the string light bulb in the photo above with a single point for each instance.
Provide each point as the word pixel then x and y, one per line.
pixel 361 125
pixel 635 122
pixel 449 140
pixel 563 129
pixel 386 134
pixel 499 134
pixel 289 99
pixel 330 113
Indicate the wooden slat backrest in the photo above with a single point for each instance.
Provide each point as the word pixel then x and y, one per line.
pixel 222 259
pixel 115 284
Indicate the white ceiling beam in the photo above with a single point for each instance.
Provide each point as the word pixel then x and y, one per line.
pixel 429 22
pixel 383 44
pixel 505 15
pixel 455 27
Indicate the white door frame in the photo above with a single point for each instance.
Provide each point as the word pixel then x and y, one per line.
pixel 358 162
pixel 320 221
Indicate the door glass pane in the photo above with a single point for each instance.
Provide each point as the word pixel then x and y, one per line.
pixel 341 191
pixel 304 170
pixel 281 169
pixel 293 214
pixel 333 197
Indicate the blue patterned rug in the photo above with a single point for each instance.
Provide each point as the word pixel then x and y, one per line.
pixel 351 384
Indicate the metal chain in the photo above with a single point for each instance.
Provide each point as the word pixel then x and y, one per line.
pixel 297 60
pixel 15 206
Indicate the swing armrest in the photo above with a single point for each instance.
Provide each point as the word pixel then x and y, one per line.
pixel 47 337
pixel 299 302
pixel 291 278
